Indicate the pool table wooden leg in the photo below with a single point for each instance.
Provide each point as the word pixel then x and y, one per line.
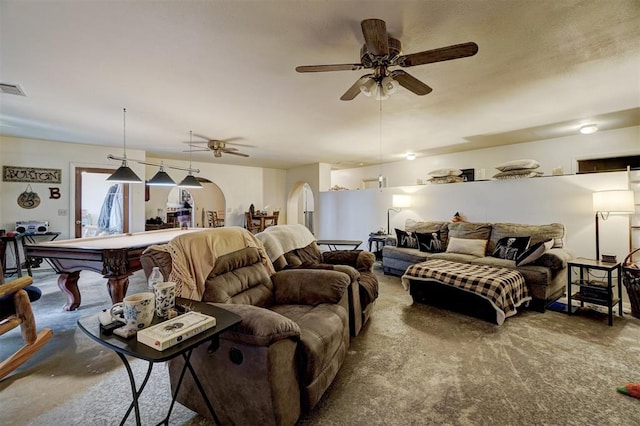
pixel 117 287
pixel 68 284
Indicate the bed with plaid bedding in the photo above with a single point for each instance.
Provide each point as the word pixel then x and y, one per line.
pixel 504 288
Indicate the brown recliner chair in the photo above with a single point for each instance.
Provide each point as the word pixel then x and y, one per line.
pixel 358 264
pixel 278 362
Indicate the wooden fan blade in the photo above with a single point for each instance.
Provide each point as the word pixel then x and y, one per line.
pixel 411 83
pixel 197 150
pixel 353 91
pixel 201 137
pixel 325 68
pixel 235 153
pixel 438 55
pixel 228 148
pixel 375 36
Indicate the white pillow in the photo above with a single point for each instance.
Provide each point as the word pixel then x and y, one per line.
pixel 517 165
pixel 467 246
pixel 445 172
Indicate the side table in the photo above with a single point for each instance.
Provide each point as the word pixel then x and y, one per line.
pixel 380 240
pixel 596 292
pixel 130 347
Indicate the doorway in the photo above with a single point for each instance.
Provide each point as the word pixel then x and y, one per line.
pixel 300 206
pixel 101 207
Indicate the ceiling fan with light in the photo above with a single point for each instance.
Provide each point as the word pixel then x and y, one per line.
pixel 217 146
pixel 380 52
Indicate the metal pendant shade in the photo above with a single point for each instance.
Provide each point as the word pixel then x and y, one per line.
pixel 124 174
pixel 161 179
pixel 190 182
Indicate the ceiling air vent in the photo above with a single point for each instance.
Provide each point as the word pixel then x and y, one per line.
pixel 11 89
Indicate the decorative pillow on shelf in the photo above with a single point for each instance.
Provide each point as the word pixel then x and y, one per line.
pixel 534 252
pixel 429 243
pixel 518 165
pixel 446 179
pixel 517 174
pixel 467 246
pixel 511 247
pixel 406 239
pixel 445 172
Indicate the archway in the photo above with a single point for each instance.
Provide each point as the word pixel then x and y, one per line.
pixel 209 197
pixel 300 205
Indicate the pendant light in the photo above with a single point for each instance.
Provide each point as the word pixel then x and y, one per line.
pixel 190 181
pixel 161 178
pixel 124 174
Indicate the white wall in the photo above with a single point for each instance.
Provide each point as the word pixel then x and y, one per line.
pixel 559 152
pixel 564 199
pixel 58 155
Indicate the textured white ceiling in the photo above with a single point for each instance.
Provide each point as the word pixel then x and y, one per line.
pixel 226 69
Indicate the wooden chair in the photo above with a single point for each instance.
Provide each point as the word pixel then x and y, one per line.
pixel 220 218
pixel 15 310
pixel 211 220
pixel 272 222
pixel 253 225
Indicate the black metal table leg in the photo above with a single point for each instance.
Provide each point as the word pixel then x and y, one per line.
pixel 135 392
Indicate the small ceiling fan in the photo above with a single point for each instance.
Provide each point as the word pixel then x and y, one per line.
pixel 217 146
pixel 381 52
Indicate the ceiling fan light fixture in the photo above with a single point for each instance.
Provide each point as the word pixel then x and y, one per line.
pixel 588 129
pixel 368 87
pixel 161 179
pixel 411 156
pixel 389 85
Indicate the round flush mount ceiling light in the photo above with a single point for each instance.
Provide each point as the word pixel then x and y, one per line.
pixel 410 156
pixel 588 129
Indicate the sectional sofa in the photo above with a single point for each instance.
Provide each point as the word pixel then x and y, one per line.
pixel 545 277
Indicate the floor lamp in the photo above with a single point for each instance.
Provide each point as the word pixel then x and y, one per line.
pixel 398 202
pixel 611 202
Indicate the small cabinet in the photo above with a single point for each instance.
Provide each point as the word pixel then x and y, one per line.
pixel 598 290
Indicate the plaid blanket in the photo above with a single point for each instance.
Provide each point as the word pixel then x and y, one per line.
pixel 504 288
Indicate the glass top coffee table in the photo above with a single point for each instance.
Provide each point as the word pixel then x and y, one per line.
pixel 131 347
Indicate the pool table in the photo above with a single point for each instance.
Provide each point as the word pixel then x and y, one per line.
pixel 114 256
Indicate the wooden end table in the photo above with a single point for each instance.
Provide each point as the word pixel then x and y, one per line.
pixel 130 347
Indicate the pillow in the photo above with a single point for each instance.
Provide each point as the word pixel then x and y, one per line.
pixel 534 252
pixel 406 239
pixel 445 172
pixel 429 243
pixel 517 165
pixel 511 247
pixel 517 174
pixel 467 246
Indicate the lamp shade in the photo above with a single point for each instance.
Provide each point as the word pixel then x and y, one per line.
pixel 401 201
pixel 161 179
pixel 614 201
pixel 190 182
pixel 124 175
pixel 368 87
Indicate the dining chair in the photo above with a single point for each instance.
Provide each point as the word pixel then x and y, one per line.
pixel 220 218
pixel 211 220
pixel 273 221
pixel 253 225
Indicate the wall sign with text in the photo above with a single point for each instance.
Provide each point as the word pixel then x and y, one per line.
pixel 31 174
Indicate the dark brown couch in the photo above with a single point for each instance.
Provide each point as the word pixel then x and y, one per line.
pixel 278 362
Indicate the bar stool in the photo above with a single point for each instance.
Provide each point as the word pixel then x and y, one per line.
pixel 5 241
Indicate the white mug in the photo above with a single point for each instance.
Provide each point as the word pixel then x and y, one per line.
pixel 165 298
pixel 136 310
